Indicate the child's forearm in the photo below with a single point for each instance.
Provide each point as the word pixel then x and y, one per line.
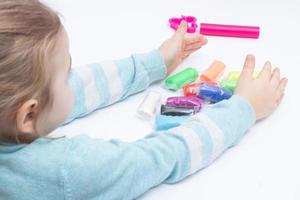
pixel 117 170
pixel 101 84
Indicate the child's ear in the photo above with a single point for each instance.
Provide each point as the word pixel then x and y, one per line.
pixel 26 117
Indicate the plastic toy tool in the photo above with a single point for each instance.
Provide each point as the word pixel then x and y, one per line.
pixel 180 79
pixel 229 30
pixel 213 93
pixel 216 29
pixel 191 21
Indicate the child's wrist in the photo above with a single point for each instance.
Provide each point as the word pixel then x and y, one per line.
pixel 245 101
pixel 167 61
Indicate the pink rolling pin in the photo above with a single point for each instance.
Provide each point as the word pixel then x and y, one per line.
pixel 229 30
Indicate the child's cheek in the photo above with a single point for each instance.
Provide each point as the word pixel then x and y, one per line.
pixel 66 101
pixel 63 102
pixel 70 99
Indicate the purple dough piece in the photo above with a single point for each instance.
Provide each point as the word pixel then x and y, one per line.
pixel 190 101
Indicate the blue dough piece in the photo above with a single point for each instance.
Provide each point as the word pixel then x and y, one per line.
pixel 213 93
pixel 163 122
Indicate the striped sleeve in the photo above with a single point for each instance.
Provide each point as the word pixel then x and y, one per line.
pixel 101 84
pixel 211 132
pixel 118 170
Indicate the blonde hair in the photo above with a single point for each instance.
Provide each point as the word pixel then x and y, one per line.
pixel 28 31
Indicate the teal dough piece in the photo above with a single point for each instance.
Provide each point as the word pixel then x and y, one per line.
pixel 163 122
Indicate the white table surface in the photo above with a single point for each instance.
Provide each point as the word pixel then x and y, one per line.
pixel 266 163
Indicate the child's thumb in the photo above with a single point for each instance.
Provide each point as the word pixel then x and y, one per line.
pixel 181 29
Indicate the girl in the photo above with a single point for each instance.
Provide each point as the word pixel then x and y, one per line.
pixel 39 92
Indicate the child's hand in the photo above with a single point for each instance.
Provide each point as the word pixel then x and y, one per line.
pixel 180 46
pixel 265 92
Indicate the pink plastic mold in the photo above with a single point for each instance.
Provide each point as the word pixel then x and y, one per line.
pixel 191 21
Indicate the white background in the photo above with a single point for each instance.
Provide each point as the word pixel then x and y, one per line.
pixel 266 163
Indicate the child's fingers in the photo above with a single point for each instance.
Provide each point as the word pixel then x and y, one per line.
pixel 195 38
pixel 278 102
pixel 186 53
pixel 248 68
pixel 265 73
pixel 184 56
pixel 181 31
pixel 282 85
pixel 193 46
pixel 275 77
pixel 190 51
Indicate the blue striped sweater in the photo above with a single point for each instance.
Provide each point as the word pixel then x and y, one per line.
pixel 85 168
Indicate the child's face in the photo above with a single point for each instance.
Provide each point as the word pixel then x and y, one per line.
pixel 59 67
